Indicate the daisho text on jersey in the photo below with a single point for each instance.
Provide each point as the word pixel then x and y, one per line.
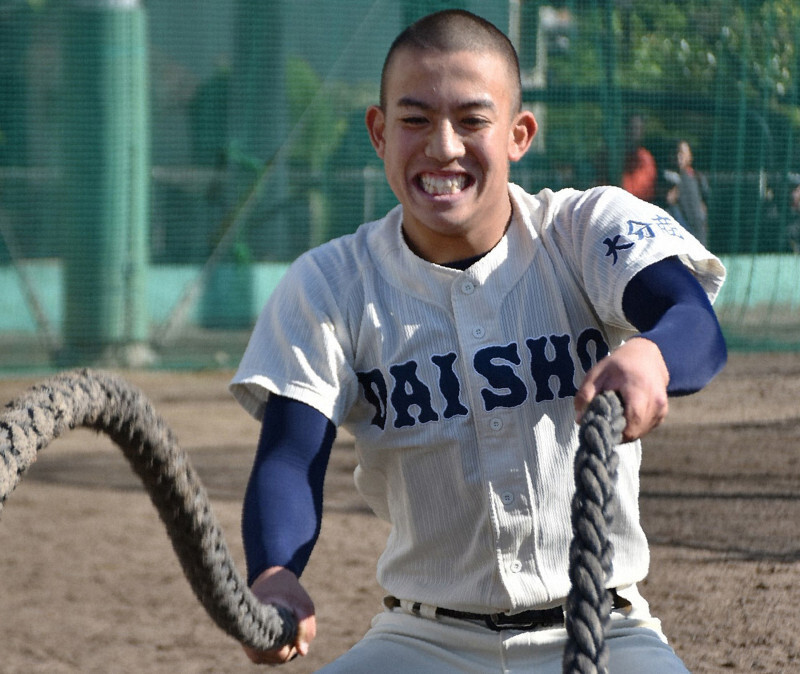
pixel 410 400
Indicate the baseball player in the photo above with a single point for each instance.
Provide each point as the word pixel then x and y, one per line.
pixel 458 339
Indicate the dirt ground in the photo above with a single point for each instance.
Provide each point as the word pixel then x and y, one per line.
pixel 89 582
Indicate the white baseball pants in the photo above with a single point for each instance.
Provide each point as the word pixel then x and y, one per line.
pixel 401 643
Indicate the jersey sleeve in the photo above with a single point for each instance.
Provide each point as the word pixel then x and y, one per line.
pixel 300 347
pixel 608 236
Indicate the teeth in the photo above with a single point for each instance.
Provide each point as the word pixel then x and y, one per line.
pixel 436 185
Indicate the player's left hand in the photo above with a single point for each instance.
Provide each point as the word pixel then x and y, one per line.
pixel 638 373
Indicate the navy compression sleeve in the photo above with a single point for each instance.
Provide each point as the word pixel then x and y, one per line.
pixel 669 307
pixel 282 511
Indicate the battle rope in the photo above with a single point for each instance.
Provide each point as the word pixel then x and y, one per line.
pixel 588 605
pixel 107 403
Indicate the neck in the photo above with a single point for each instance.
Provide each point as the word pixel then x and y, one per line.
pixel 452 251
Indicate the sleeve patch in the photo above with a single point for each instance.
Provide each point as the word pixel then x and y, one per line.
pixel 659 225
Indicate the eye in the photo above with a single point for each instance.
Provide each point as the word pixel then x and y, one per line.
pixel 474 122
pixel 414 120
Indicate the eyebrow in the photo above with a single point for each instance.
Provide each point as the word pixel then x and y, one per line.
pixel 411 102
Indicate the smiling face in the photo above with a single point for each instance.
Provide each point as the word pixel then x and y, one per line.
pixel 446 134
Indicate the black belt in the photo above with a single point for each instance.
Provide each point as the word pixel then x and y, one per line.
pixel 524 621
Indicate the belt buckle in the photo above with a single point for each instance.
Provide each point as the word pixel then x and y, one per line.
pixel 492 622
pixel 498 622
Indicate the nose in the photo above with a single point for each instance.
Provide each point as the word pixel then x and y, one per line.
pixel 444 143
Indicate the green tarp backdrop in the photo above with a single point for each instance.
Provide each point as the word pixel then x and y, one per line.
pixel 161 163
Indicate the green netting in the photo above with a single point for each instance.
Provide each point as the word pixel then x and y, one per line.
pixel 162 163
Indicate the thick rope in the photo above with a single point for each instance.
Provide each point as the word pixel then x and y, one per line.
pixel 109 404
pixel 588 605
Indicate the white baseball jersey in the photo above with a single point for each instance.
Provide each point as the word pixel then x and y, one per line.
pixel 458 386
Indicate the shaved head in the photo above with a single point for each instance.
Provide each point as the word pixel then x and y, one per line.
pixel 456 30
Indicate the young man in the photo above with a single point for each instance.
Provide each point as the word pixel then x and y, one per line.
pixel 457 338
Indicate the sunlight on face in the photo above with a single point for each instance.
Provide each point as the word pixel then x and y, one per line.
pixel 446 136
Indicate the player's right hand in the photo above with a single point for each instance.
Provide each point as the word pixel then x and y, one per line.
pixel 278 585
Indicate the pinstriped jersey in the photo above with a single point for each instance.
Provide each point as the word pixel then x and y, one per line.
pixel 458 386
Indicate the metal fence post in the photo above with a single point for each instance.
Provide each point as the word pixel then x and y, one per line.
pixel 106 197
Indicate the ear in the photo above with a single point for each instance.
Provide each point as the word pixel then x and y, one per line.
pixel 376 124
pixel 523 129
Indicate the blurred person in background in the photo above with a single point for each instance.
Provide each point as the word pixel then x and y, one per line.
pixel 687 198
pixel 639 172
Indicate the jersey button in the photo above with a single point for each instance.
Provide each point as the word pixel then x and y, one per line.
pixel 507 497
pixel 515 566
pixel 478 333
pixel 496 424
pixel 468 287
